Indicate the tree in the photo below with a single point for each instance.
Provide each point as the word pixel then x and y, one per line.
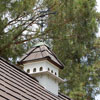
pixel 73 38
pixel 18 22
pixel 71 31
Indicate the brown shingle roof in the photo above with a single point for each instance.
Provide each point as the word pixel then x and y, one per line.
pixel 41 52
pixel 15 84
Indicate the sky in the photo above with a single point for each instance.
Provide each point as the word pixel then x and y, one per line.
pixel 98 5
pixel 98 9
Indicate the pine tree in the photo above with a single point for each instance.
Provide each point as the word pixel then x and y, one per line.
pixel 18 22
pixel 73 38
pixel 71 27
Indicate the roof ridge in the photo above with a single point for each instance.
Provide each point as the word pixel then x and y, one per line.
pixel 41 52
pixel 56 57
pixel 27 54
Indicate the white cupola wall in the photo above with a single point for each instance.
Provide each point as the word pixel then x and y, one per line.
pixel 42 63
pixel 41 66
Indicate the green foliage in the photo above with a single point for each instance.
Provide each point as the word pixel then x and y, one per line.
pixel 71 31
pixel 12 27
pixel 73 35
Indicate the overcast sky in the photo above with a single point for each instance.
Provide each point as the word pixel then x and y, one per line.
pixel 98 5
pixel 98 9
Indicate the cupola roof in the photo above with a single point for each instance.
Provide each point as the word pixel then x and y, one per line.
pixel 41 51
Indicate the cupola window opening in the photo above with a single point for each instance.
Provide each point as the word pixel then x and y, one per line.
pixel 55 73
pixel 28 70
pixel 41 68
pixel 48 69
pixel 34 70
pixel 51 71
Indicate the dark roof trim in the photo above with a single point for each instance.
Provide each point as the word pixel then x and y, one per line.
pixel 45 58
pixel 57 58
pixel 19 69
pixel 27 54
pixel 49 59
pixel 60 65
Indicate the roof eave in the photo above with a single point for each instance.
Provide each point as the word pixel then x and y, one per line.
pixel 45 58
pixel 48 73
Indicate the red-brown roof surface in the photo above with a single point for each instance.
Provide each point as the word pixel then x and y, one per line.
pixel 41 52
pixel 15 84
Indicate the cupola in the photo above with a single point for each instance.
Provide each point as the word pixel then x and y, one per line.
pixel 42 63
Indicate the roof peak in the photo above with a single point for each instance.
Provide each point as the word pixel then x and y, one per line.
pixel 41 51
pixel 40 44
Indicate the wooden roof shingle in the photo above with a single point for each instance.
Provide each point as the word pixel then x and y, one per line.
pixel 16 84
pixel 39 53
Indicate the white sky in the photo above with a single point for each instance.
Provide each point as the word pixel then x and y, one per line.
pixel 98 9
pixel 98 5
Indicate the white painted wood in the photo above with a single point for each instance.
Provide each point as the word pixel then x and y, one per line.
pixel 46 80
pixel 45 64
pixel 48 83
